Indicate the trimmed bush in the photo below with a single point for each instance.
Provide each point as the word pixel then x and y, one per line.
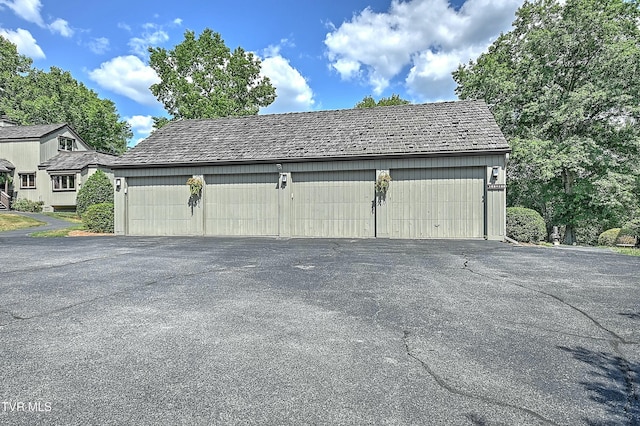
pixel 525 225
pixel 608 238
pixel 24 205
pixel 97 189
pixel 613 236
pixel 99 218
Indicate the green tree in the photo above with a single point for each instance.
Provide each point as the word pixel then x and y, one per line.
pixel 369 102
pixel 33 96
pixel 563 87
pixel 12 65
pixel 97 189
pixel 202 78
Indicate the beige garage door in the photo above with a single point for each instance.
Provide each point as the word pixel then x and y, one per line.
pixel 333 204
pixel 241 204
pixel 159 206
pixel 437 203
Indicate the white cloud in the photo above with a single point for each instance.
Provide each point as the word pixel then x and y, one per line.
pixel 24 41
pixel 292 89
pixel 430 76
pixel 427 37
pixel 177 22
pixel 99 45
pixel 127 76
pixel 142 125
pixel 61 27
pixel 29 10
pixel 152 36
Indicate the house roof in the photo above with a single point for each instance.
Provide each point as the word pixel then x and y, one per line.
pixel 427 129
pixel 77 160
pixel 6 166
pixel 28 132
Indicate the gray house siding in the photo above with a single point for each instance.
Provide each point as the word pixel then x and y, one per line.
pixel 35 151
pixel 430 197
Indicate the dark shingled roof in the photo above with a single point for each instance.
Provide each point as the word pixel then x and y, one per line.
pixel 28 132
pixel 6 166
pixel 77 160
pixel 427 129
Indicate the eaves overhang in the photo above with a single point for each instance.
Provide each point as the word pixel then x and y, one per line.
pixel 243 161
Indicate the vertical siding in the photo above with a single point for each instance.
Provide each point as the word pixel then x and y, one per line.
pixel 49 145
pixel 333 204
pixel 496 204
pixel 241 204
pixel 159 206
pixel 437 203
pixel 436 197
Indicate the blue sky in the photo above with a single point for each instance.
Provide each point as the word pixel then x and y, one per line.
pixel 319 54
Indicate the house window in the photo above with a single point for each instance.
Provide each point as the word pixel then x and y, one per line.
pixel 64 182
pixel 27 180
pixel 65 144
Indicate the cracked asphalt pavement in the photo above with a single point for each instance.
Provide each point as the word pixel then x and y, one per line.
pixel 146 331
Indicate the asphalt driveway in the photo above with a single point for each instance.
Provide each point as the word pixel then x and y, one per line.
pixel 120 330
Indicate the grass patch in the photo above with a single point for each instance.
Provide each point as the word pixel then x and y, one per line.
pixel 68 216
pixel 11 222
pixel 57 232
pixel 629 251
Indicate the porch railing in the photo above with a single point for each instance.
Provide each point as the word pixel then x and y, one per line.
pixel 5 200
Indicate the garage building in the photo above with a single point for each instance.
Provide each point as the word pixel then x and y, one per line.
pixel 314 174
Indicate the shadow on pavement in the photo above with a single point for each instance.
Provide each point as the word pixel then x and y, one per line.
pixel 613 383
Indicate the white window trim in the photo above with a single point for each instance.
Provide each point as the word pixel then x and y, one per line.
pixel 61 189
pixel 66 140
pixel 27 174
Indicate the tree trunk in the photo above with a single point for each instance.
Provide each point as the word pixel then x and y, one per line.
pixel 568 180
pixel 569 235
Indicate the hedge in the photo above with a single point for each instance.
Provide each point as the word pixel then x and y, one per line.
pixel 525 225
pixel 97 189
pixel 613 236
pixel 24 205
pixel 99 218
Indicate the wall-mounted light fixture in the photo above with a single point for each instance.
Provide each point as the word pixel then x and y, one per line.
pixel 118 184
pixel 495 172
pixel 284 178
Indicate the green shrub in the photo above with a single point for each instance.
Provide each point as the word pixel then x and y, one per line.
pixel 608 238
pixel 626 236
pixel 588 231
pixel 97 189
pixel 24 205
pixel 525 225
pixel 634 225
pixel 99 218
pixel 611 237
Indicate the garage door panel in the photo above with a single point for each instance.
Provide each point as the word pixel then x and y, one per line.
pixel 159 206
pixel 333 204
pixel 242 204
pixel 437 203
